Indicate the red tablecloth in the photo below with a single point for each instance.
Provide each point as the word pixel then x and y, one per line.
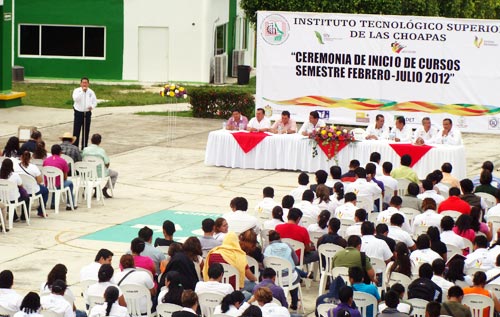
pixel 415 151
pixel 248 140
pixel 333 148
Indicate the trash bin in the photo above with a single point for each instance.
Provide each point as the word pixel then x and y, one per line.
pixel 243 74
pixel 17 73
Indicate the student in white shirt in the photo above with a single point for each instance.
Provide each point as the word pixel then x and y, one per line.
pixel 306 205
pixel 277 219
pixel 56 302
pixel 362 187
pixel 303 182
pixel 90 272
pixel 260 123
pixel 360 216
pixel 264 297
pixel 347 210
pixel 398 234
pixel 479 258
pixel 267 203
pixel 423 254
pixel 30 306
pixel 429 217
pixel 314 123
pixel 9 299
pixel 394 206
pixel 402 132
pixel 438 267
pixel 214 283
pixel 322 224
pixel 239 220
pixel 105 275
pixel 323 200
pixel 429 192
pixel 447 234
pixel 110 307
pixel 232 304
pixel 373 247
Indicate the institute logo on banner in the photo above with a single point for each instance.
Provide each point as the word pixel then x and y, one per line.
pixel 362 117
pixel 275 29
pixel 269 111
pixel 478 41
pixel 397 47
pixel 493 123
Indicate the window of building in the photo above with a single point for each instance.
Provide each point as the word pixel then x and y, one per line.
pixel 220 39
pixel 62 41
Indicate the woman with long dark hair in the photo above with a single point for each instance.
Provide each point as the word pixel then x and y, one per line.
pixel 110 307
pixel 173 294
pixel 30 306
pixel 11 148
pixel 463 227
pixel 277 214
pixel 104 275
pixel 477 225
pixel 402 263
pixel 27 168
pixel 436 244
pixel 40 151
pixel 232 304
pixel 7 173
pixel 322 224
pixel 58 273
pixel 338 192
pixel 323 200
pixel 456 272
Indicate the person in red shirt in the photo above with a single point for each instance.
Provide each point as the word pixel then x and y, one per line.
pixel 291 230
pixel 454 202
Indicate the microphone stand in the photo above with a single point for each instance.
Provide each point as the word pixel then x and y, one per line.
pixel 84 117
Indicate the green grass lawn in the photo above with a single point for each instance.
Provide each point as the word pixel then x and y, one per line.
pixel 59 95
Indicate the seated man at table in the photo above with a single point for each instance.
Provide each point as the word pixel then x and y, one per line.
pixel 285 124
pixel 260 123
pixel 377 130
pixel 405 171
pixel 425 133
pixel 313 123
pixel 236 121
pixel 448 134
pixel 402 132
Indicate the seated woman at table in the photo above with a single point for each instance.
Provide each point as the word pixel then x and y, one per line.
pixel 284 125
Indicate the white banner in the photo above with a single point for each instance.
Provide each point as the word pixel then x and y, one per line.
pixel 352 67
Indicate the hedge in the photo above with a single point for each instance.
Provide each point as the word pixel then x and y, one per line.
pixel 208 102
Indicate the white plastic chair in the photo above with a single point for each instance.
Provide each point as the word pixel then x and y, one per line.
pixel 400 278
pixel 254 266
pixel 296 245
pixel 468 244
pixel 419 229
pixel 363 301
pixel 493 288
pixel 264 238
pixel 38 163
pixel 101 171
pixel 230 271
pixel 452 213
pixel 87 179
pixel 477 303
pixel 344 224
pixel 418 306
pixel 343 272
pixel 284 276
pixel 135 294
pixel 314 236
pixel 30 182
pixel 6 187
pixel 167 309
pixel 326 253
pixel 4 312
pixel 379 267
pixel 324 308
pixel 402 186
pixel 305 221
pixel 365 202
pixel 208 301
pixel 95 300
pixel 451 250
pixel 358 133
pixel 50 313
pixel 409 213
pixel 85 285
pixel 51 174
pixel 489 199
pixel 71 164
pixel 495 221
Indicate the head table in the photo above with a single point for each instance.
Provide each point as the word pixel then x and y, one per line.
pixel 294 152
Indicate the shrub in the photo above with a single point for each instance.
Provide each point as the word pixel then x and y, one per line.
pixel 209 102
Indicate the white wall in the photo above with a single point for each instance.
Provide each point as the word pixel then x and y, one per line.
pixel 190 46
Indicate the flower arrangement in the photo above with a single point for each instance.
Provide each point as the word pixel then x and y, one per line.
pixel 173 90
pixel 330 139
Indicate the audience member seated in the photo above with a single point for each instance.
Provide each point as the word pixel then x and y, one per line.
pixel 378 130
pixel 189 301
pixel 478 226
pixel 96 150
pixel 425 133
pixel 429 192
pixel 404 171
pixel 110 307
pixel 402 263
pixel 267 204
pixel 423 287
pixel 438 267
pixel 485 179
pixel 314 123
pixel 463 227
pixel 27 168
pixel 323 199
pixel 68 148
pixel 356 281
pixel 433 309
pixel 249 244
pixel 388 181
pixel 292 230
pixel 410 199
pixel 185 261
pixel 306 205
pixel 57 161
pixel 336 174
pixel 238 219
pixel 453 202
pixel 479 280
pixel 338 193
pixel 348 209
pixel 403 306
pixel 382 232
pixel 321 178
pixel 208 241
pixel 214 283
pixel 285 124
pixel 402 132
pixel 173 289
pixel 55 301
pixel 58 272
pixel 232 304
pixel 40 152
pixel 350 175
pixel 90 272
pixel 168 234
pixel 495 210
pixel 449 179
pixel 269 281
pixel 448 134
pixel 373 247
pixel 277 214
pixel 259 123
pixel 359 218
pixel 237 121
pixel 146 235
pixel 7 173
pixel 447 234
pixel 453 306
pixel 487 165
pixel 456 273
pixel 221 228
pixel 468 196
pixel 303 179
pixel 264 297
pixel 394 208
pixel 361 187
pixel 322 224
pixel 436 177
pixel 479 258
pixel 11 148
pixel 9 298
pixel 436 244
pixel 345 308
pixel 30 145
pixel 397 233
pixel 30 306
pixel 137 246
pixel 332 235
pixel 231 253
pixel 105 275
pixel 423 253
pixel 351 256
pixel 429 217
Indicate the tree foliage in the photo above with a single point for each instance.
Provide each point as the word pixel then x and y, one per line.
pixel 474 9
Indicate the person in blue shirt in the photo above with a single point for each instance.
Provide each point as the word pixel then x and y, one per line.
pixel 356 279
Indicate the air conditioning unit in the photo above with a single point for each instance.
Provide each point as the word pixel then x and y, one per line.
pixel 238 59
pixel 220 69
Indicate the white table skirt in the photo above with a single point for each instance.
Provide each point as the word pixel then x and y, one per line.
pixel 294 152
